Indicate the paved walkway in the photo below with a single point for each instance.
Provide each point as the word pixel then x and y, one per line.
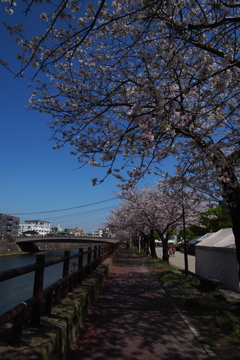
pixel 132 319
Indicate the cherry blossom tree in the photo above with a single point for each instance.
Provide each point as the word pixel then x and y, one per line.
pixel 158 209
pixel 128 218
pixel 209 25
pixel 141 80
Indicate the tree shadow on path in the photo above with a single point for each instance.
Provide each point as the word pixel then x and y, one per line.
pixel 132 319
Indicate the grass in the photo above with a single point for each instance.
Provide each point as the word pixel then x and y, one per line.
pixel 215 315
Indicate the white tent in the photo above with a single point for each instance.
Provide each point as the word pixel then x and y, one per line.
pixel 191 244
pixel 169 241
pixel 216 258
pixel 199 238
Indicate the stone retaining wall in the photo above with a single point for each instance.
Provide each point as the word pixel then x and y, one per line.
pixel 56 333
pixel 7 247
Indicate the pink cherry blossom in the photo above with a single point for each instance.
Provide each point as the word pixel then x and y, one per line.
pixel 134 82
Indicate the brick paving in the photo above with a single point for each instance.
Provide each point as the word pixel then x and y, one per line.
pixel 132 319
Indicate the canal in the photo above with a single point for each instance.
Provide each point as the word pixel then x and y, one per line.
pixel 14 291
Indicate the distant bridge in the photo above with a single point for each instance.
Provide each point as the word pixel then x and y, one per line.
pixel 38 243
pixel 65 239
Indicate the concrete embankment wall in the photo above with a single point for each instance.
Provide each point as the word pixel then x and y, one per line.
pixel 51 341
pixel 8 247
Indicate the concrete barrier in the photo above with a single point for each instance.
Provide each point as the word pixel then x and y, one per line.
pixel 52 340
pixel 8 248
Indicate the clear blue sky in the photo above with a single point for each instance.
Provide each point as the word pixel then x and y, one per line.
pixel 34 177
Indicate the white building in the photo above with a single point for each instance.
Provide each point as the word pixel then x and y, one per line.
pixel 56 229
pixel 96 233
pixel 80 233
pixel 41 227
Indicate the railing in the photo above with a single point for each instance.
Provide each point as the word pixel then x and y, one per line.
pixel 53 293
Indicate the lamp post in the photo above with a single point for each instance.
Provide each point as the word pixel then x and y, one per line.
pixel 184 240
pixel 184 230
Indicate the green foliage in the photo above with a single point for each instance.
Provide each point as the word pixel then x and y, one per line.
pixel 228 325
pixel 173 277
pixel 202 304
pixel 212 220
pixel 73 266
pixel 222 219
pixel 193 232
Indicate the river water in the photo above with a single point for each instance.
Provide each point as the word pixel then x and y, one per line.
pixel 14 291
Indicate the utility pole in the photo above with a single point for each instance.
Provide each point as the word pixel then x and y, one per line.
pixel 184 231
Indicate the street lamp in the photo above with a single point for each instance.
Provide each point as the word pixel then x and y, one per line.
pixel 184 229
pixel 184 238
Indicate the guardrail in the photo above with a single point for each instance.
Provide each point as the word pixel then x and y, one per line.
pixel 41 302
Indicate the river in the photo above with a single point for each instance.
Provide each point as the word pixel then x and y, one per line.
pixel 14 291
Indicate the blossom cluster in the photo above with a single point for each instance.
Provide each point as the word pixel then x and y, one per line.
pixel 141 81
pixel 158 209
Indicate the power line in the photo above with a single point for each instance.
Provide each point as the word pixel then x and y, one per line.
pixel 80 214
pixel 89 221
pixel 76 207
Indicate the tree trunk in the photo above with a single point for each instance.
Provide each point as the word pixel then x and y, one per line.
pixel 146 250
pixel 231 193
pixel 165 256
pixel 152 244
pixel 235 214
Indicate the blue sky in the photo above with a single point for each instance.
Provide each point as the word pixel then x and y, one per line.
pixel 34 177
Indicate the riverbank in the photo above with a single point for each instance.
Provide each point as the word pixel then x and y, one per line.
pixel 9 248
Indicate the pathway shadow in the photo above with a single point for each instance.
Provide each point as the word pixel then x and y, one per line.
pixel 132 319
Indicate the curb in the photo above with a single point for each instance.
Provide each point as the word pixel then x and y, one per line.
pixel 206 347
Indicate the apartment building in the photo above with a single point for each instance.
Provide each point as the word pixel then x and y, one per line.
pixel 42 228
pixel 80 232
pixel 108 233
pixel 8 225
pixel 75 232
pixel 103 233
pixel 96 233
pixel 56 229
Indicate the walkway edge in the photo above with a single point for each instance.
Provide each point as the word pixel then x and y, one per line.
pixel 206 347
